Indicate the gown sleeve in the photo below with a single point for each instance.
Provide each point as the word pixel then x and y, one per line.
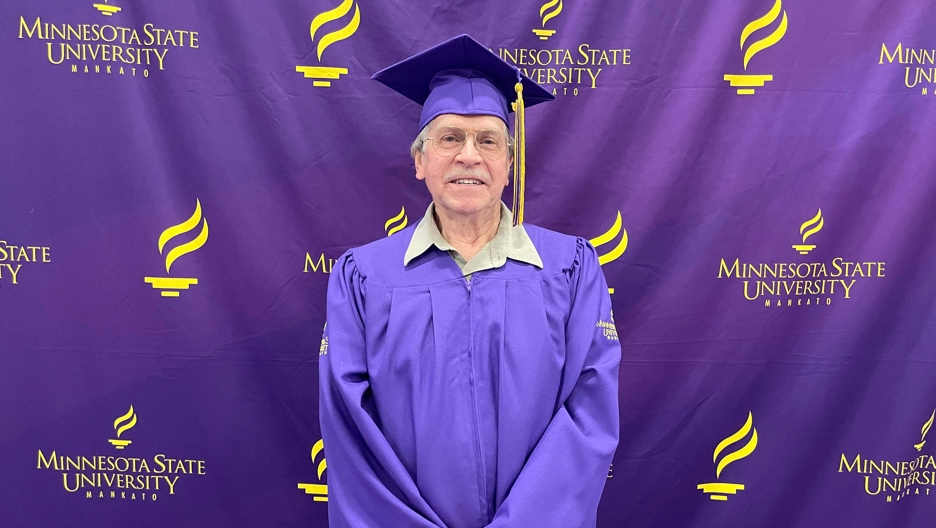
pixel 562 480
pixel 368 484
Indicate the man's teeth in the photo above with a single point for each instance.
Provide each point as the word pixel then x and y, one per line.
pixel 468 182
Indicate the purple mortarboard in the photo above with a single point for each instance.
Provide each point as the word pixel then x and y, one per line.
pixel 461 76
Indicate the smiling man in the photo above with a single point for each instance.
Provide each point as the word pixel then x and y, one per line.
pixel 465 171
pixel 469 379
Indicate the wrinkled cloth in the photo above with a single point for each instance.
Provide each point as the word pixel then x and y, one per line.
pixel 510 241
pixel 464 404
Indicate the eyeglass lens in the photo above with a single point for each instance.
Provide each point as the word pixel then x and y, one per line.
pixel 447 141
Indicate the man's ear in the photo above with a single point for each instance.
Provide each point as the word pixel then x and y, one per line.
pixel 420 160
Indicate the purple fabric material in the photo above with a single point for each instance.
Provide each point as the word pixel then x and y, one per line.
pixel 291 173
pixel 489 402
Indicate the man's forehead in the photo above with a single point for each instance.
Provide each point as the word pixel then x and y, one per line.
pixel 469 121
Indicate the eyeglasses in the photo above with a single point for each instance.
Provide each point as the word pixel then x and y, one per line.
pixel 448 141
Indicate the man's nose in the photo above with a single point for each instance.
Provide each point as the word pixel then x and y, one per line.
pixel 469 153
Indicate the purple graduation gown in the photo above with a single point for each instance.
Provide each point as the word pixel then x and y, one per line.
pixel 464 404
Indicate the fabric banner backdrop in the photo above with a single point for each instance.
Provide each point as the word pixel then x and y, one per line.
pixel 178 178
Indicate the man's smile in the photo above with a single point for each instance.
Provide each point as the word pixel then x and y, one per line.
pixel 468 181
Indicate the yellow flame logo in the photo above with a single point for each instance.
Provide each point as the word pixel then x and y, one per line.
pixel 926 428
pixel 769 40
pixel 557 4
pixel 322 76
pixel 808 229
pixel 171 285
pixel 121 425
pixel 740 453
pixel 547 12
pixel 719 491
pixel 396 223
pixel 318 491
pixel 128 420
pixel 608 236
pixel 316 449
pixel 338 35
pixel 183 228
pixel 747 83
pixel 812 226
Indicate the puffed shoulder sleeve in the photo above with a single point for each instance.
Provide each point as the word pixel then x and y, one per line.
pixel 562 481
pixel 368 484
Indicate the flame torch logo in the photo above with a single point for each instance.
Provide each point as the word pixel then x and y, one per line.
pixel 328 72
pixel 926 428
pixel 396 223
pixel 318 491
pixel 608 236
pixel 548 11
pixel 171 285
pixel 808 229
pixel 748 82
pixel 121 425
pixel 107 10
pixel 720 490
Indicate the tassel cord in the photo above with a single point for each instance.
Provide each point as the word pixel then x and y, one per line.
pixel 519 172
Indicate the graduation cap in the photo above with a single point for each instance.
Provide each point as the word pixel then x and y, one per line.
pixel 461 76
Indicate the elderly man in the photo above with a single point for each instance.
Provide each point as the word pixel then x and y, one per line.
pixel 470 377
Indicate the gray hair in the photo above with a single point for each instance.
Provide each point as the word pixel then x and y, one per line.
pixel 419 144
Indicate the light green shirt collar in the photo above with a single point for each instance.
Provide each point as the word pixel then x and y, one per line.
pixel 510 241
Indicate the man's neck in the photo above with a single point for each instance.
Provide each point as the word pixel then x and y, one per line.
pixel 468 234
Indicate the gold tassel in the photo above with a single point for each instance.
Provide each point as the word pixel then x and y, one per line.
pixel 519 173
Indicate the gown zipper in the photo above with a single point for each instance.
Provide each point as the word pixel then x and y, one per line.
pixel 482 498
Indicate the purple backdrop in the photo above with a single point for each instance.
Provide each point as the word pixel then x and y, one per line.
pixel 177 177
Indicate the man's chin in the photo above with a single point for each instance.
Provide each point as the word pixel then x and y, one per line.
pixel 467 206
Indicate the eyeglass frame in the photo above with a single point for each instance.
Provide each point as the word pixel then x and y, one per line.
pixel 508 150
